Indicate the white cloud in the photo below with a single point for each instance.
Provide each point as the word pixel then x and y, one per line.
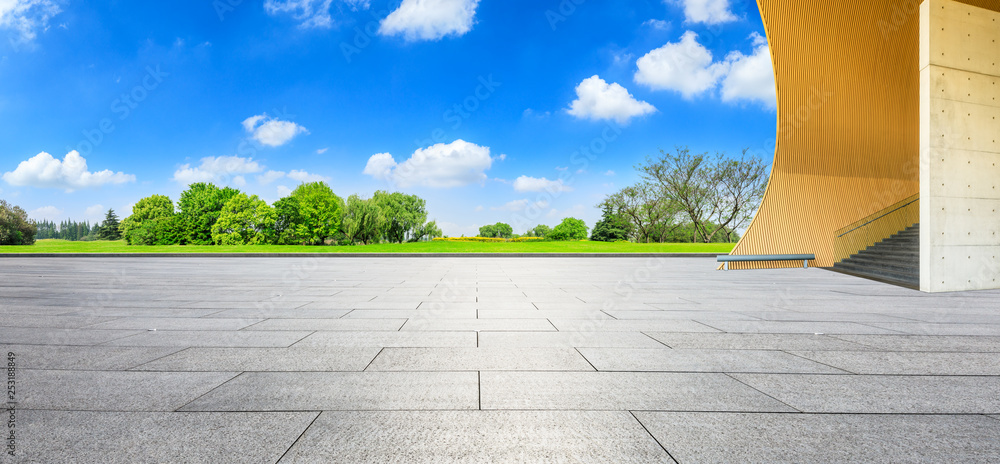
pixel 283 191
pixel 658 24
pixel 218 169
pixel 688 67
pixel 562 168
pixel 95 212
pixel 479 208
pixel 26 17
pixel 750 77
pixel 707 11
pixel 303 176
pixel 272 132
pixel 439 166
pixel 521 205
pixel 309 13
pixel 270 177
pixel 430 19
pixel 50 213
pixel 534 184
pixel 609 173
pixel 596 99
pixel 321 151
pixel 44 171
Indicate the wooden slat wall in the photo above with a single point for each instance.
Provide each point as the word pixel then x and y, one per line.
pixel 848 101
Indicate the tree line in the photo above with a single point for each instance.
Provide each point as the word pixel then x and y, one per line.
pixel 311 215
pixel 685 197
pixel 569 229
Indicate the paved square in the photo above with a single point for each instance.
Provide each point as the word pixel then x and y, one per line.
pixel 357 360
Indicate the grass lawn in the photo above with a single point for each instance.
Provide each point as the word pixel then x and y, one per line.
pixel 63 246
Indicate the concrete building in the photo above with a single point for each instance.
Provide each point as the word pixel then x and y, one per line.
pixel 888 141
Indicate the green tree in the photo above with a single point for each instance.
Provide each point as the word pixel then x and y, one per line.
pixel 541 230
pixel 403 214
pixel 569 229
pixel 200 206
pixel 363 220
pixel 612 227
pixel 108 230
pixel 148 209
pixel 320 212
pixel 287 216
pixel 245 220
pixel 15 226
pixel 429 231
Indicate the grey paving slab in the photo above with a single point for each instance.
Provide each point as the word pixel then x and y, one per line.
pixel 567 339
pixel 295 359
pixel 740 341
pixel 927 328
pixel 37 336
pixel 208 338
pixel 83 436
pixel 391 339
pixel 113 390
pixel 84 357
pixel 480 359
pixel 958 343
pixel 798 327
pixel 680 315
pixel 274 313
pixel 822 316
pixel 881 394
pixel 907 363
pixel 798 438
pixel 668 360
pixel 50 321
pixel 477 436
pixel 635 325
pixel 621 391
pixel 542 314
pixel 144 312
pixel 327 324
pixel 328 391
pixel 420 324
pixel 410 314
pixel 175 323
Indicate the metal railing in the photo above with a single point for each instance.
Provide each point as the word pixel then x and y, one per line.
pixel 876 227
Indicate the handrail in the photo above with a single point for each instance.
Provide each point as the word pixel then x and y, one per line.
pixel 906 202
pixel 726 259
pixel 876 227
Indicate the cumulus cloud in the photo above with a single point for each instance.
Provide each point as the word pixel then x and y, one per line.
pixel 521 205
pixel 95 212
pixel 218 169
pixel 270 177
pixel 685 66
pixel 44 171
pixel 46 212
pixel 535 184
pixel 439 166
pixel 309 13
pixel 706 11
pixel 596 99
pixel 26 17
pixel 750 77
pixel 321 151
pixel 284 191
pixel 430 19
pixel 303 176
pixel 688 68
pixel 272 132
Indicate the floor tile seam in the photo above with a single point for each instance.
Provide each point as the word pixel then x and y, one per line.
pixel 762 393
pixel 299 437
pixel 820 362
pixel 657 441
pixel 238 375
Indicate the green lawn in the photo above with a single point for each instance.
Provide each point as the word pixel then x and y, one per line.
pixel 63 246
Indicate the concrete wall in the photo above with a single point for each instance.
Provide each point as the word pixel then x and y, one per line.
pixel 959 147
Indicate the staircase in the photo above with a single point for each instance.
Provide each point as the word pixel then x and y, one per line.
pixel 895 260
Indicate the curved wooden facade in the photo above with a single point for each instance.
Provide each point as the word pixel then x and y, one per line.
pixel 848 103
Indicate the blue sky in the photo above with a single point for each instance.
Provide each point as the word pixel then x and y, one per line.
pixel 517 111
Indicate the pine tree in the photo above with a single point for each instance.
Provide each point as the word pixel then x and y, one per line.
pixel 108 230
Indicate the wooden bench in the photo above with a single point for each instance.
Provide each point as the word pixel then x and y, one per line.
pixel 726 259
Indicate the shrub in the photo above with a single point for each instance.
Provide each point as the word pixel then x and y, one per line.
pixel 569 229
pixel 15 227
